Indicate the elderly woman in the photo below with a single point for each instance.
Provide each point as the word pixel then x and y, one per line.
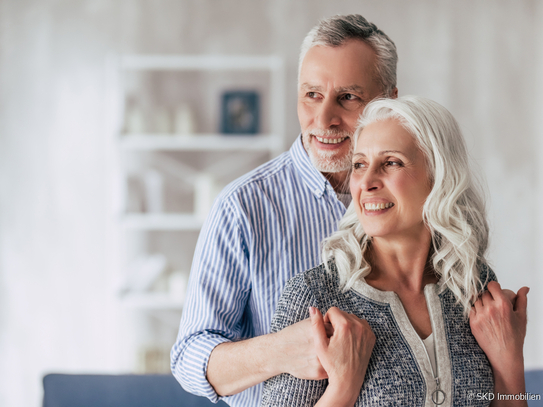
pixel 404 277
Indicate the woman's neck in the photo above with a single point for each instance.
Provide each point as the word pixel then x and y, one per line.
pixel 401 264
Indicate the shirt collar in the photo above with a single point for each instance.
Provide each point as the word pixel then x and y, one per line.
pixel 312 178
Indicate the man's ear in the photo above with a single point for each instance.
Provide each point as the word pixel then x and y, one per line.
pixel 394 93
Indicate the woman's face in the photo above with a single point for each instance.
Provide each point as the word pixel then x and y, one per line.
pixel 389 182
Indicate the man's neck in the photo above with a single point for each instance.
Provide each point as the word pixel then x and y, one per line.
pixel 339 181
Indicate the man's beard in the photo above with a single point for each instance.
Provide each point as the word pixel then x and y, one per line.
pixel 328 161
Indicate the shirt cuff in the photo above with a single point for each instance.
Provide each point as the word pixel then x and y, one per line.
pixel 191 370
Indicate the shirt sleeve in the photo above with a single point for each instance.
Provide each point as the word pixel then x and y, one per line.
pixel 285 389
pixel 217 294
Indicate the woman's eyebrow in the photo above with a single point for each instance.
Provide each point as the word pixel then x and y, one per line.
pixel 381 153
pixel 391 151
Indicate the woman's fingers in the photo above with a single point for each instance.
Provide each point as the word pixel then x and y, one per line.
pixel 319 330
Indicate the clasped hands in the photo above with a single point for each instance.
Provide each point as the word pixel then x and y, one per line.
pixel 336 346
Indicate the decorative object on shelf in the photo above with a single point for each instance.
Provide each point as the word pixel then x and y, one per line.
pixel 162 120
pixel 240 112
pixel 184 120
pixel 177 284
pixel 205 192
pixel 153 359
pixel 134 120
pixel 153 182
pixel 144 272
pixel 135 193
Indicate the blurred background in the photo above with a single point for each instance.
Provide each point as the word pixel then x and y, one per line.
pixel 111 151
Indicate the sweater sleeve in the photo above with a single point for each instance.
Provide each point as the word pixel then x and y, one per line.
pixel 285 389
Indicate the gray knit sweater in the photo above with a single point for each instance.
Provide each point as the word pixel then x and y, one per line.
pixel 399 371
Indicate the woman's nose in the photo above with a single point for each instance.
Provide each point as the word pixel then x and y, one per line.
pixel 371 180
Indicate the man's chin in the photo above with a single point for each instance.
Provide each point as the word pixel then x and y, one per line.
pixel 329 164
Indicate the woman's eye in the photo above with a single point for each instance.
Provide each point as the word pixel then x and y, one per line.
pixel 392 164
pixel 357 166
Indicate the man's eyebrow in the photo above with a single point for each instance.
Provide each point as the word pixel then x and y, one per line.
pixel 308 86
pixel 341 89
pixel 351 88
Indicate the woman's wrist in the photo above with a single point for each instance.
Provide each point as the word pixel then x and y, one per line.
pixel 340 396
pixel 345 390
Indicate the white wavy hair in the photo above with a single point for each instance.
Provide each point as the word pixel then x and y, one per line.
pixel 337 30
pixel 454 211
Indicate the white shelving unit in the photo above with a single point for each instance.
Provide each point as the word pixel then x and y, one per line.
pixel 271 143
pixel 201 142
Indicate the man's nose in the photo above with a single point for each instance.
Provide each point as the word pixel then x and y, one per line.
pixel 328 114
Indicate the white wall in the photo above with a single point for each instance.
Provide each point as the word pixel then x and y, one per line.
pixel 57 310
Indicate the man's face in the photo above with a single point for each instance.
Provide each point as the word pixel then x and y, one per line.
pixel 336 83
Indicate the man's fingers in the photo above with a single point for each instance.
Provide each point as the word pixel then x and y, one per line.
pixel 317 326
pixel 510 295
pixel 494 290
pixel 478 306
pixel 522 300
pixel 472 312
pixel 486 298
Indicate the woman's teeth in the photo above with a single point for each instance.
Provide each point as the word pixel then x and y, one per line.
pixel 330 140
pixel 377 206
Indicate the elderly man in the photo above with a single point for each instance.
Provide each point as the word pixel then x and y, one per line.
pixel 267 226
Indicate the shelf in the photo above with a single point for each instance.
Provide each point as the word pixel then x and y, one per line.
pixel 200 62
pixel 151 301
pixel 162 221
pixel 199 142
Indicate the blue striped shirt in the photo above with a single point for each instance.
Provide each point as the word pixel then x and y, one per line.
pixel 263 229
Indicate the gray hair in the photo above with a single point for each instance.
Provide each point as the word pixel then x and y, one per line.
pixel 454 211
pixel 337 30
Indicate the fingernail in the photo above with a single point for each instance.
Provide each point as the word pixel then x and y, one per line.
pixel 311 310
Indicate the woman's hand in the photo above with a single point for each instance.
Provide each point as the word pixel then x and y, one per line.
pixel 344 355
pixel 498 323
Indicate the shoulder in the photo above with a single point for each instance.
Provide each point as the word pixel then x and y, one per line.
pixel 321 280
pixel 300 293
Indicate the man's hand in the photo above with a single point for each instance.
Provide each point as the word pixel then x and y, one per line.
pixel 236 366
pixel 300 359
pixel 498 323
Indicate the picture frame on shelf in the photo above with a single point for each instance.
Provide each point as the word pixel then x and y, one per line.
pixel 240 112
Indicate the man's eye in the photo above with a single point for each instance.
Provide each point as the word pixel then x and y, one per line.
pixel 350 102
pixel 312 95
pixel 349 96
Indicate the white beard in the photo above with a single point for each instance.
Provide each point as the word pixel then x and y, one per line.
pixel 328 161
